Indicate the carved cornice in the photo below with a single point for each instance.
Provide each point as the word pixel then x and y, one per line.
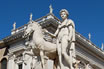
pixel 89 45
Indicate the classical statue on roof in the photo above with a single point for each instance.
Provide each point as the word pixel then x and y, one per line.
pixel 14 26
pixel 65 42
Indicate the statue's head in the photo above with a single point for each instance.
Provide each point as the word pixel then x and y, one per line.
pixel 64 14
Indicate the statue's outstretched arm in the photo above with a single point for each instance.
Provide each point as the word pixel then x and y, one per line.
pixel 52 35
pixel 56 33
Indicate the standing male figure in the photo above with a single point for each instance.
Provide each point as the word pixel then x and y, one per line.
pixel 65 34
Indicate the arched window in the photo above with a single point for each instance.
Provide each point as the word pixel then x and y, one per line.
pixel 4 63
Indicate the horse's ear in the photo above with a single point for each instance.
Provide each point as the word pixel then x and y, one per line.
pixel 33 22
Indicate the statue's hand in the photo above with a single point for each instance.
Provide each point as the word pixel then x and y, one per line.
pixel 44 30
pixel 52 35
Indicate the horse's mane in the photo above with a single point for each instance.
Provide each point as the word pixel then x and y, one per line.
pixel 37 24
pixel 33 27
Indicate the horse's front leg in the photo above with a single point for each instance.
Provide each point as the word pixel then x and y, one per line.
pixel 42 58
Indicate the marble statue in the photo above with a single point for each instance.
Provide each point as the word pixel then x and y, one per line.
pixel 65 44
pixel 89 35
pixel 102 47
pixel 65 34
pixel 31 17
pixel 51 9
pixel 14 26
pixel 45 49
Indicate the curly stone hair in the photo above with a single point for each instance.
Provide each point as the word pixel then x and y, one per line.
pixel 64 10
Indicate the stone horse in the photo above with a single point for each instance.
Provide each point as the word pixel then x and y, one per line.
pixel 40 47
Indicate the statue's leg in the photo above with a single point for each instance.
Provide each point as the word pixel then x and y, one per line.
pixel 68 58
pixel 72 47
pixel 71 60
pixel 42 58
pixel 59 54
pixel 72 53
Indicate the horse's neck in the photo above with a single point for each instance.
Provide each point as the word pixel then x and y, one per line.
pixel 38 33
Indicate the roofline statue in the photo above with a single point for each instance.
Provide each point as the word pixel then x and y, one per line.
pixel 51 9
pixel 14 26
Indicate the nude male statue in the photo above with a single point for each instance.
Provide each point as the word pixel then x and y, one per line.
pixel 65 34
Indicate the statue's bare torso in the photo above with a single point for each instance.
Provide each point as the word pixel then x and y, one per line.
pixel 63 30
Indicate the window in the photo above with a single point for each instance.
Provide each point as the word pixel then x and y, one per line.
pixel 4 63
pixel 20 66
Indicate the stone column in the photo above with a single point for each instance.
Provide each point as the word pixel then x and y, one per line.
pixel 11 63
pixel 16 66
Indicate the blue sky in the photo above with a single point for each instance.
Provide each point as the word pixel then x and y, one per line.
pixel 88 15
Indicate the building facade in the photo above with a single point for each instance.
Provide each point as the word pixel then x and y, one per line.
pixel 3 55
pixel 14 54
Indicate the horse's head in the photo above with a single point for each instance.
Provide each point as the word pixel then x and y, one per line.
pixel 30 29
